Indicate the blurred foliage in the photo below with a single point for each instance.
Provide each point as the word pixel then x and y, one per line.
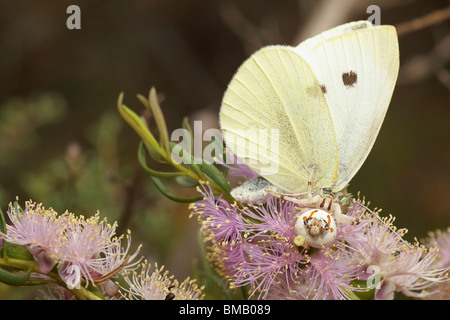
pixel 19 121
pixel 63 143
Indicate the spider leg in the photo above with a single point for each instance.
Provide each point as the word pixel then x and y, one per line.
pixel 282 195
pixel 343 218
pixel 290 197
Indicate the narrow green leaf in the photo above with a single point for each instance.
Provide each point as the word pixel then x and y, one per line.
pixel 162 188
pixel 139 126
pixel 12 278
pixel 143 161
pixel 215 176
pixel 368 294
pixel 95 289
pixel 185 124
pixel 154 155
pixel 18 252
pixel 3 230
pixel 185 156
pixel 186 181
pixel 207 170
pixel 2 222
pixel 144 101
pixel 159 119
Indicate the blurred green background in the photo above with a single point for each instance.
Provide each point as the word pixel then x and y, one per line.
pixel 63 143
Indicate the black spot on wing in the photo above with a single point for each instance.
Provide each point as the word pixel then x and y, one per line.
pixel 349 79
pixel 324 89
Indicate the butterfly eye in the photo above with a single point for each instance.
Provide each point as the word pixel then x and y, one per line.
pixel 317 227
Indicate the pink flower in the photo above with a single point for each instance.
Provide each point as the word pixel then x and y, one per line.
pixel 400 266
pixel 33 225
pixel 329 275
pixel 86 240
pixel 220 220
pixel 237 168
pixel 255 245
pixel 441 240
pixel 83 249
pixel 158 285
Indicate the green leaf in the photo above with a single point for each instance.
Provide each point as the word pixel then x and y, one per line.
pixel 144 101
pixel 186 181
pixel 95 289
pixel 177 149
pixel 185 125
pixel 2 222
pixel 162 188
pixel 143 161
pixel 213 174
pixel 18 252
pixel 12 278
pixel 139 126
pixel 208 170
pixel 159 119
pixel 155 155
pixel 364 295
pixel 185 156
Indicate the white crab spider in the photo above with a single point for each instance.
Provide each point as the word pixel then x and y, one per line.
pixel 317 226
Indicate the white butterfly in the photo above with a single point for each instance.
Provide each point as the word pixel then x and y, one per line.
pixel 327 98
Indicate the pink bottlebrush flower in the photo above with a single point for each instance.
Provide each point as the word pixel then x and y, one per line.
pixel 237 168
pixel 440 240
pixel 114 260
pixel 93 249
pixel 82 248
pixel 400 265
pixel 220 220
pixel 85 240
pixel 39 228
pixel 270 249
pixel 254 244
pixel 412 271
pixel 377 240
pixel 33 225
pixel 158 285
pixel 329 275
pixel 258 246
